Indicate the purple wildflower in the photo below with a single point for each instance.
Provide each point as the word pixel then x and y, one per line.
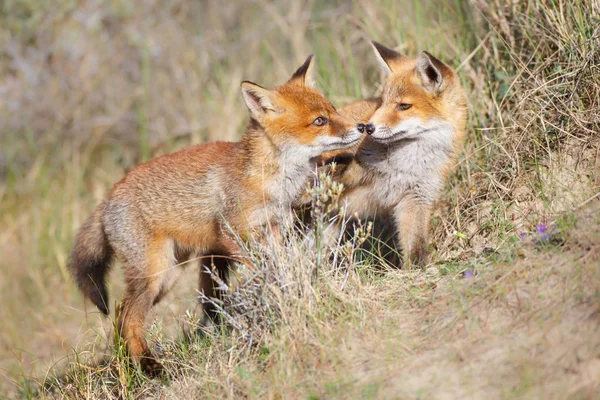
pixel 523 235
pixel 541 231
pixel 468 273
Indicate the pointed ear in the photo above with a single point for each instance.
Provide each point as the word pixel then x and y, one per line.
pixel 304 74
pixel 258 100
pixel 386 58
pixel 434 74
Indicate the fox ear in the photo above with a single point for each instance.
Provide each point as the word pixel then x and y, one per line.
pixel 258 99
pixel 433 73
pixel 304 74
pixel 386 58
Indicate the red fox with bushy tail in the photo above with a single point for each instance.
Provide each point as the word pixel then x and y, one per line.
pixel 414 134
pixel 197 200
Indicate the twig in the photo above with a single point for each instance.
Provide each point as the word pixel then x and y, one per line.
pixel 479 46
pixel 585 202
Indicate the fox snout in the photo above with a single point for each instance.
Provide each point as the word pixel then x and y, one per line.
pixel 343 134
pixel 352 135
pixel 379 132
pixel 345 128
pixel 369 128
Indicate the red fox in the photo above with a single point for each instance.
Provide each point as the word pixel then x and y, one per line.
pixel 413 135
pixel 196 200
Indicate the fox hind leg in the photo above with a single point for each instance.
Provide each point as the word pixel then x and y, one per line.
pixel 146 280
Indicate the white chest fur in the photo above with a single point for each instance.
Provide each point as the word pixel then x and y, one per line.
pixel 285 188
pixel 294 172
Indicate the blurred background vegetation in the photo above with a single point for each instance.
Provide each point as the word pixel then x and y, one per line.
pixel 89 88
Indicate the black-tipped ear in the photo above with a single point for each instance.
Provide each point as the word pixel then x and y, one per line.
pixel 386 57
pixel 258 99
pixel 304 74
pixel 433 73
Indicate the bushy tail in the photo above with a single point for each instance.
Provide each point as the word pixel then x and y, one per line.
pixel 91 259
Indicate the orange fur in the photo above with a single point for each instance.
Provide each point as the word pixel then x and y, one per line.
pixel 400 168
pixel 202 199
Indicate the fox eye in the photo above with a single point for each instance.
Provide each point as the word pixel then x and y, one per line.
pixel 403 106
pixel 320 121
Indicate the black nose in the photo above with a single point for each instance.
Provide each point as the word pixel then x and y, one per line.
pixel 361 128
pixel 370 128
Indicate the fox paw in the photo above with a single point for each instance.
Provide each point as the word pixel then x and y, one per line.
pixel 151 367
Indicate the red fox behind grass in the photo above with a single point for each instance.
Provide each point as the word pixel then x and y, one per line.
pixel 414 134
pixel 195 200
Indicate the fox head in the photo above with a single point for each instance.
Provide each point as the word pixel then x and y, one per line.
pixel 422 98
pixel 297 117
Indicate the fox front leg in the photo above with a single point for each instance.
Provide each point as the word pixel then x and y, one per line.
pixel 412 216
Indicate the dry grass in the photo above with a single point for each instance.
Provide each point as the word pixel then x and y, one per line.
pixel 522 323
pixel 89 88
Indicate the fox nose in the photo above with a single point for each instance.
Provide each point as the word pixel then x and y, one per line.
pixel 361 128
pixel 370 128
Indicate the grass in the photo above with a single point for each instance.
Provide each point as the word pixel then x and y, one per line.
pixel 90 89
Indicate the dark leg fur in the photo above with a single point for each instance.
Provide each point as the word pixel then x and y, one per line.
pixel 219 264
